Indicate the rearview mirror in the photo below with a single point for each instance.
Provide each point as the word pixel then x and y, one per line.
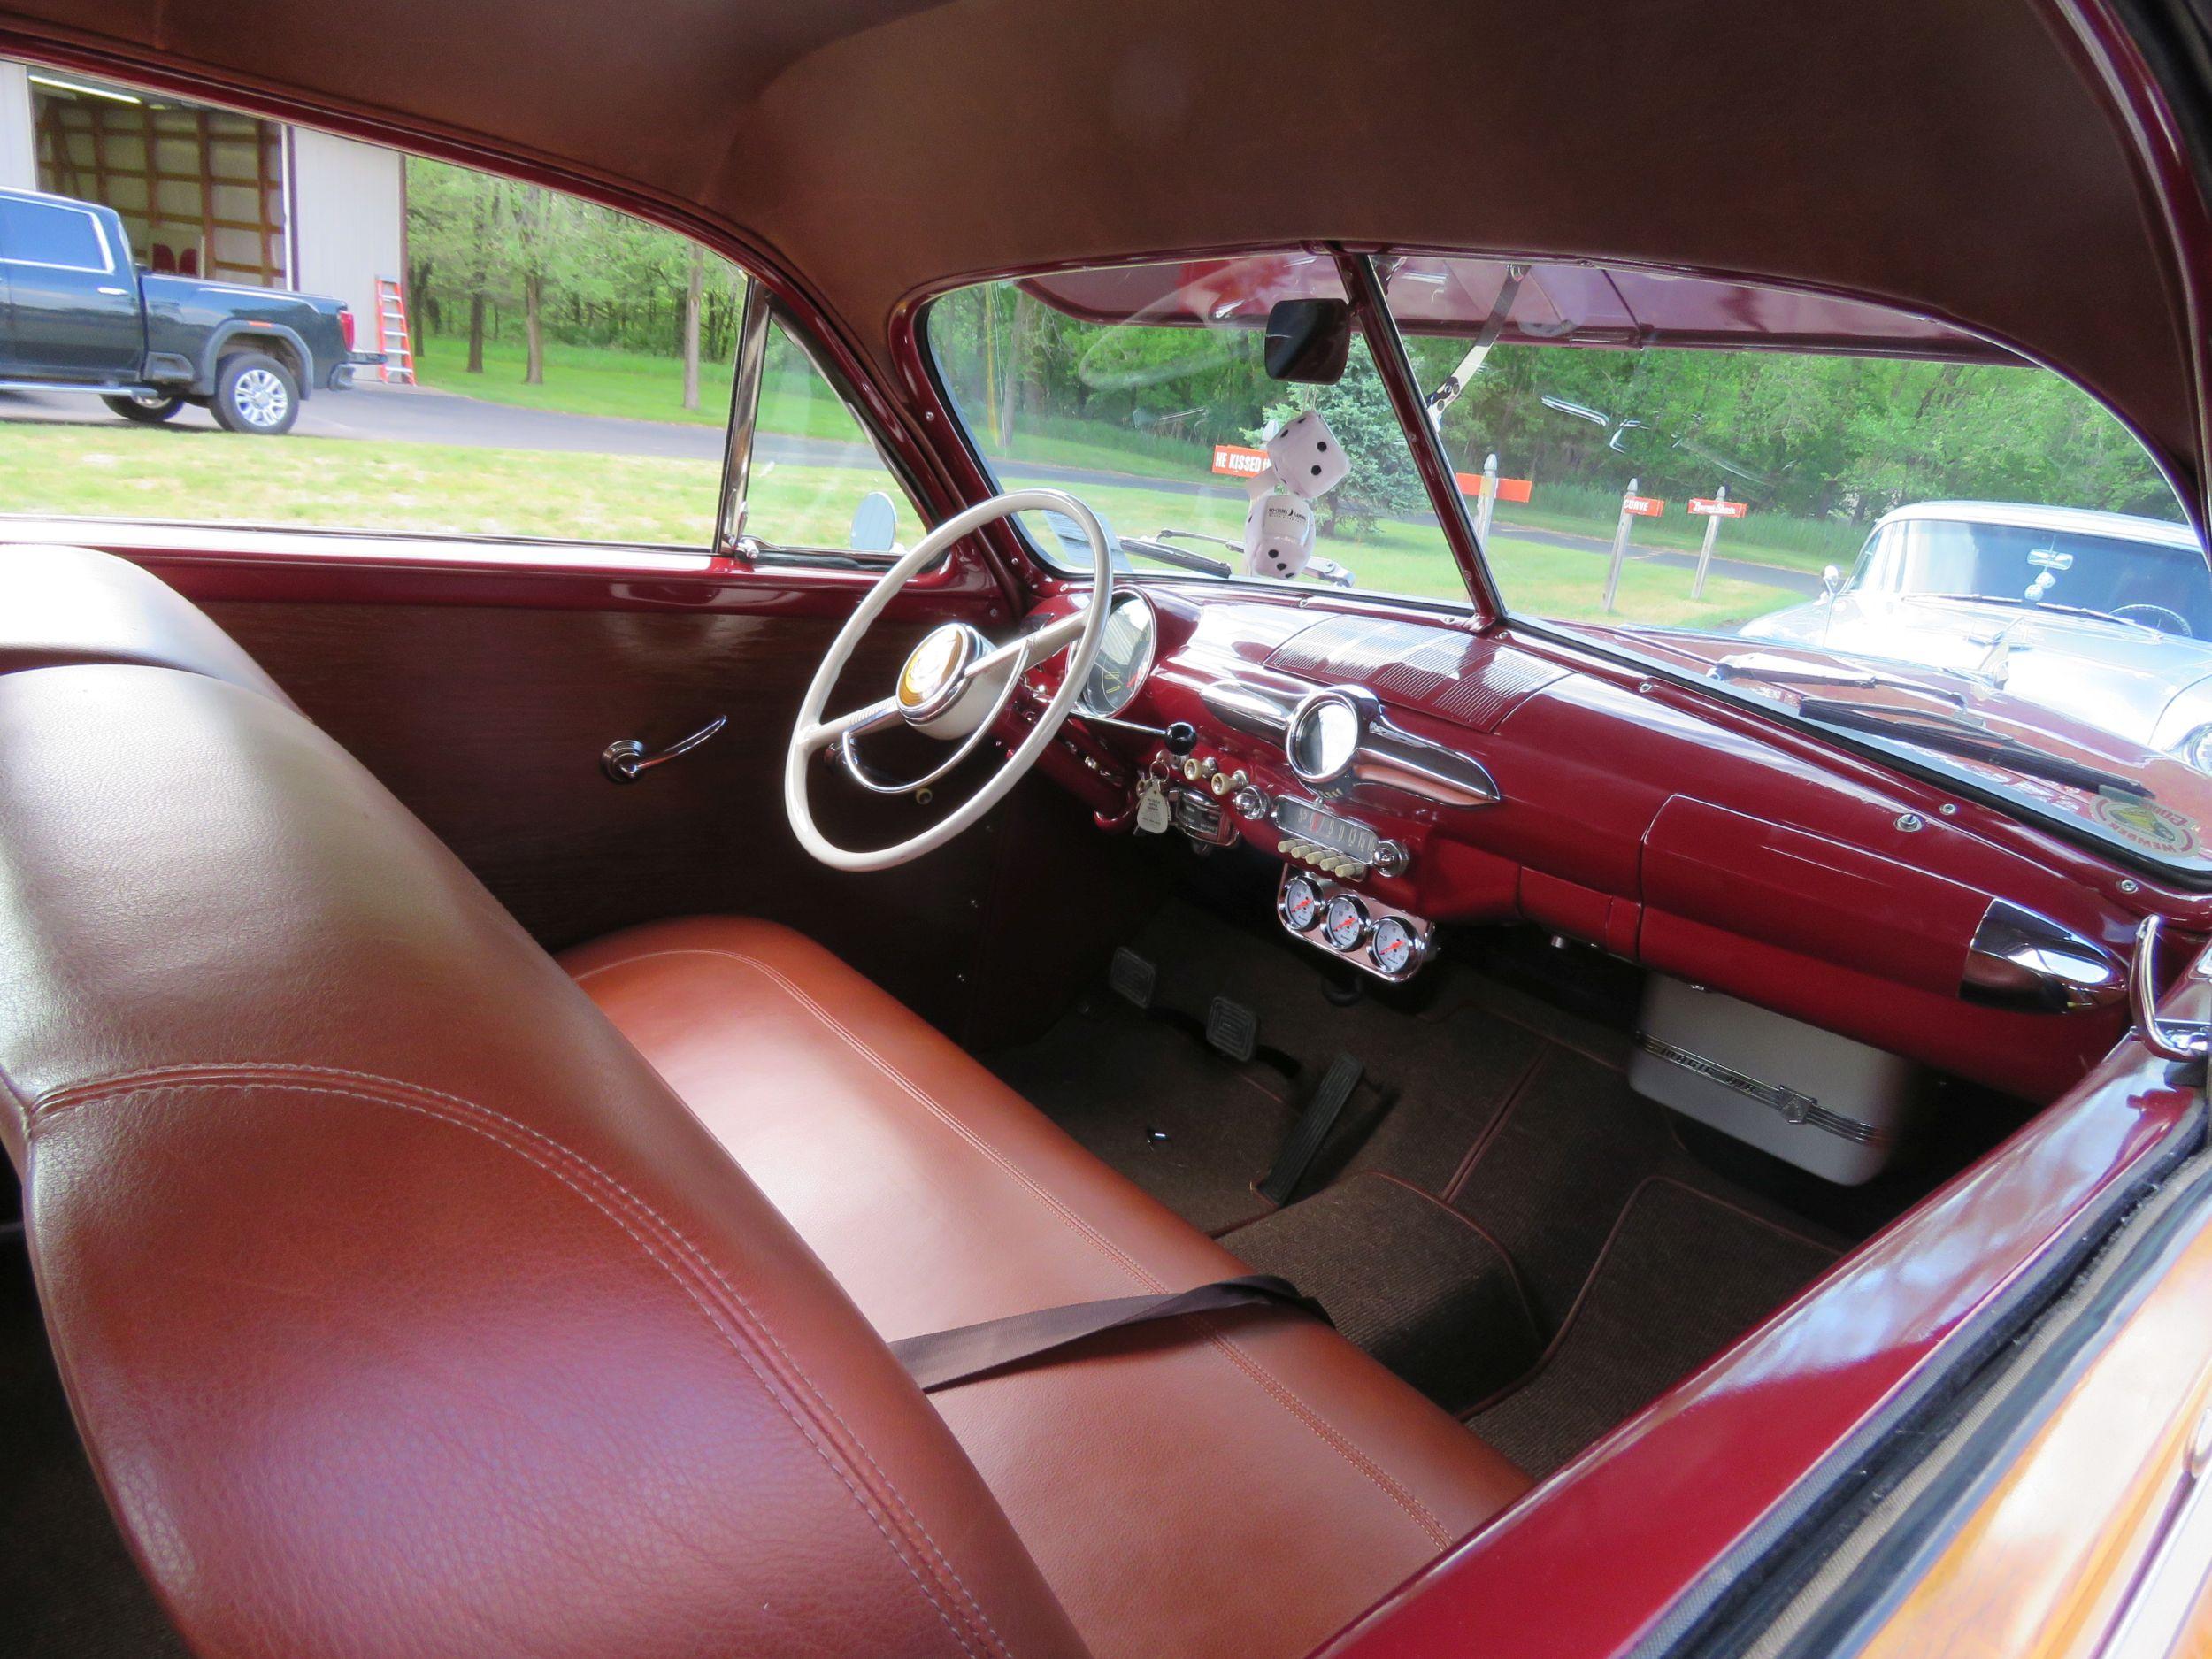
pixel 1308 341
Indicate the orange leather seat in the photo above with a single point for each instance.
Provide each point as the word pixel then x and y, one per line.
pixel 1241 1485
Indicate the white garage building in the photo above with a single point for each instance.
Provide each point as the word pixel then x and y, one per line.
pixel 210 192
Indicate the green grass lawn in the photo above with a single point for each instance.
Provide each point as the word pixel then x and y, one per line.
pixel 173 472
pixel 601 381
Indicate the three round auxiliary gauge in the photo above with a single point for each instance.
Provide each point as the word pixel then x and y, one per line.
pixel 1392 944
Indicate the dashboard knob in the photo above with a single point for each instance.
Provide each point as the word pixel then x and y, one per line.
pixel 1193 768
pixel 1220 783
pixel 1391 858
pixel 1182 737
pixel 1250 802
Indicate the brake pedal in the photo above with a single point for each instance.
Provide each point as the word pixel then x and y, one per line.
pixel 1232 1030
pixel 1132 978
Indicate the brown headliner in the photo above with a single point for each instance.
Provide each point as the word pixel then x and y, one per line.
pixel 1952 157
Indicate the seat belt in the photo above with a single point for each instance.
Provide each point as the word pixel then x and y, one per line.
pixel 942 1358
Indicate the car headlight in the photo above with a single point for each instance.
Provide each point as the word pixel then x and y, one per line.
pixel 2196 748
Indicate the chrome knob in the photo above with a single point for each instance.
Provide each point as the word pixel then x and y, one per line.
pixel 1391 858
pixel 1249 803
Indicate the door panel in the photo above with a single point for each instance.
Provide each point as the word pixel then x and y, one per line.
pixel 488 722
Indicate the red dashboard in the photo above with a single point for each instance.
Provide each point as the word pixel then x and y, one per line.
pixel 1671 828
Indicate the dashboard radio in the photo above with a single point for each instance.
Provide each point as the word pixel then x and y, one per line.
pixel 1339 846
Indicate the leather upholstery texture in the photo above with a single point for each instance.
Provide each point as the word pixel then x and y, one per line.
pixel 61 606
pixel 1234 1483
pixel 404 1309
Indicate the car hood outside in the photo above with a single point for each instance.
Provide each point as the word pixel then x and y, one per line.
pixel 2127 681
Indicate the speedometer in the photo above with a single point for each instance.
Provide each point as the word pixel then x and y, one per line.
pixel 1124 656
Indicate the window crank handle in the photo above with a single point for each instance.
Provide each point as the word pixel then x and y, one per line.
pixel 626 761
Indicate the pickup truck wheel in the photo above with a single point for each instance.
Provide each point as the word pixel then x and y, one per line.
pixel 146 410
pixel 255 394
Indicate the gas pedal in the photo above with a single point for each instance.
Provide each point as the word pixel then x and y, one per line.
pixel 1311 1129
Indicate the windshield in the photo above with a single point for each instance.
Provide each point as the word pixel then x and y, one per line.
pixel 1150 400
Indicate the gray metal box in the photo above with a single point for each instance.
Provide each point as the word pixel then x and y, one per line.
pixel 1821 1101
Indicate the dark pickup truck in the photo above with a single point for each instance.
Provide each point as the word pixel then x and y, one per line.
pixel 77 315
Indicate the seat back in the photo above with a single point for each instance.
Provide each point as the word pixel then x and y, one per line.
pixel 61 605
pixel 403 1308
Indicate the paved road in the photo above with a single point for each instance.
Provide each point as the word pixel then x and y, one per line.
pixel 420 415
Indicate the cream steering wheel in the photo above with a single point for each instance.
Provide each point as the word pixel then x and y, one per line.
pixel 953 687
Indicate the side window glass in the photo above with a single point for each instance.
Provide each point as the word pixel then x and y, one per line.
pixel 815 479
pixel 373 342
pixel 34 233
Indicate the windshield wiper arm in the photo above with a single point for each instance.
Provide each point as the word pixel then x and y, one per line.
pixel 1941 733
pixel 1777 671
pixel 1157 547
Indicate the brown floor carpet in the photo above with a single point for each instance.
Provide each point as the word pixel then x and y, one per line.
pixel 1405 1277
pixel 1684 1275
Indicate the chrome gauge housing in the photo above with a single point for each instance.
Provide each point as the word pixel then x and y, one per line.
pixel 1125 652
pixel 1299 904
pixel 1347 924
pixel 1326 729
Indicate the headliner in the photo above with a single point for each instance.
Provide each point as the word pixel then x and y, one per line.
pixel 1955 158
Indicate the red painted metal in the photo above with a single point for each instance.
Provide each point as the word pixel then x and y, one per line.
pixel 1671 827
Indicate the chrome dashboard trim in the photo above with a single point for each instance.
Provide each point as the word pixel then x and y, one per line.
pixel 1385 754
pixel 2019 959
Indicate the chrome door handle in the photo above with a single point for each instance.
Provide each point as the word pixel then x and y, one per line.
pixel 117 292
pixel 626 761
pixel 2169 1039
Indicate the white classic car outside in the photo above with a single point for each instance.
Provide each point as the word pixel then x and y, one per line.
pixel 2103 616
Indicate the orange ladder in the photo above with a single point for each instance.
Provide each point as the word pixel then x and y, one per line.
pixel 392 336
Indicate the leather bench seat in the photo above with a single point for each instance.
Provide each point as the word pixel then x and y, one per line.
pixel 1242 1487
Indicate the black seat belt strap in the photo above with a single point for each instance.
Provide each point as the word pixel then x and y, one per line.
pixel 942 1358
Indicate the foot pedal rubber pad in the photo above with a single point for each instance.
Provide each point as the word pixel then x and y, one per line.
pixel 1311 1129
pixel 1132 978
pixel 1231 1029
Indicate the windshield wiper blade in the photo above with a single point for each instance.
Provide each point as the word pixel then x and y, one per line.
pixel 1158 547
pixel 1941 733
pixel 1779 671
pixel 2039 604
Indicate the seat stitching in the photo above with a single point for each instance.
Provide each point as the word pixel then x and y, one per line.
pixel 1327 1432
pixel 285 1077
pixel 58 1099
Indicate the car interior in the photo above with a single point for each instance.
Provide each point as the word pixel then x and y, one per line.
pixel 630 1104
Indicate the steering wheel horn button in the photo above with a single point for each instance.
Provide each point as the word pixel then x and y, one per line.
pixel 936 670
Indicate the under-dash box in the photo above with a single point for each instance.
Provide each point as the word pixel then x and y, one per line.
pixel 1824 1103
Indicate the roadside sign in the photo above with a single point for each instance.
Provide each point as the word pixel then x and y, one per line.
pixel 1509 488
pixel 1232 460
pixel 1642 506
pixel 1718 508
pixel 1712 509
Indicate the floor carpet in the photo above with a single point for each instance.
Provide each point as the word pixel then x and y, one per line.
pixel 68 1588
pixel 1496 1216
pixel 1684 1275
pixel 1406 1278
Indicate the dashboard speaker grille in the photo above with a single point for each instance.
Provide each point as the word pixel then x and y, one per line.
pixel 1471 682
